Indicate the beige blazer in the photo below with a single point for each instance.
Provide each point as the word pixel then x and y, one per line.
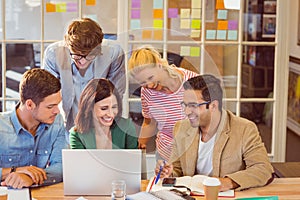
pixel 238 152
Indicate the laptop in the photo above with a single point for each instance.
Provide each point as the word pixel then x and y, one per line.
pixel 91 171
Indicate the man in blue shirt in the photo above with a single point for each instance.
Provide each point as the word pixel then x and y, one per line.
pixel 83 55
pixel 33 135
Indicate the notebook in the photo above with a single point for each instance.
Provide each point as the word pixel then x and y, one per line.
pixel 91 171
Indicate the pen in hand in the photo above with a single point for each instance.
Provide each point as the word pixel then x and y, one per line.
pixel 158 174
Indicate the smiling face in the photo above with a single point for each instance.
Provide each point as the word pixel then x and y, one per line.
pixel 199 116
pixel 151 78
pixel 106 110
pixel 82 63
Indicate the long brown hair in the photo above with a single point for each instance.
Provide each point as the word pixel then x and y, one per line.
pixel 96 90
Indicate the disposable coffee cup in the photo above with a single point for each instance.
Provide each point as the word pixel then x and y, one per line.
pixel 3 193
pixel 211 188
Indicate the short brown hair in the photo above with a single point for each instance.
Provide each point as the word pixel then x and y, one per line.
pixel 209 85
pixel 37 84
pixel 83 35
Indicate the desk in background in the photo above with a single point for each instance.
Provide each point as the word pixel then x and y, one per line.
pixel 286 169
pixel 285 188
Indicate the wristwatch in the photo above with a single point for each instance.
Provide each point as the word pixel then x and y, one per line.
pixel 13 169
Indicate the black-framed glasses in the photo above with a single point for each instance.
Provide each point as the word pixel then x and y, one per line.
pixel 194 106
pixel 88 57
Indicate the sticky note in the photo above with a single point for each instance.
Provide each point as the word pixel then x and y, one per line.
pixel 232 25
pixel 196 4
pixel 196 24
pixel 297 92
pixel 222 14
pixel 210 34
pixel 221 35
pixel 61 7
pixel 135 14
pixel 135 23
pixel 196 13
pixel 195 33
pixel 146 34
pixel 158 4
pixel 220 4
pixel 135 3
pixel 157 23
pixel 222 25
pixel 72 7
pixel 185 23
pixel 195 51
pixel 185 50
pixel 185 13
pixel 173 12
pixel 232 4
pixel 157 34
pixel 232 35
pixel 158 13
pixel 50 7
pixel 90 2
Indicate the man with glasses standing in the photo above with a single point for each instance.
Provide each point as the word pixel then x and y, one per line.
pixel 213 141
pixel 83 55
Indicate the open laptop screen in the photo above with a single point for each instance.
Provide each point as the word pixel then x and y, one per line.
pixel 91 171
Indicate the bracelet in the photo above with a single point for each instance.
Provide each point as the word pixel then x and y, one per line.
pixel 13 169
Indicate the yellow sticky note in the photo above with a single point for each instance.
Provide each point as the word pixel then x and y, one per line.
pixel 157 34
pixel 146 34
pixel 185 50
pixel 195 51
pixel 196 4
pixel 220 4
pixel 158 14
pixel 196 13
pixel 157 23
pixel 222 25
pixel 297 92
pixel 195 33
pixel 61 7
pixel 196 24
pixel 90 2
pixel 185 23
pixel 50 7
pixel 185 13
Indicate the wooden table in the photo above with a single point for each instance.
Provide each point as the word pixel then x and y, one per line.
pixel 285 188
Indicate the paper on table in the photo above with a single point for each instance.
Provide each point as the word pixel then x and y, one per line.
pixel 23 194
pixel 193 183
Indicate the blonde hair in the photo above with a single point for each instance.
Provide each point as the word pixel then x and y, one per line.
pixel 148 57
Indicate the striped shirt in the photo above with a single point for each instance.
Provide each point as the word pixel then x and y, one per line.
pixel 166 110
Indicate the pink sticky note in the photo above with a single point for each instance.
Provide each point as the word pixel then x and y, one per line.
pixel 135 3
pixel 173 12
pixel 71 7
pixel 135 14
pixel 232 25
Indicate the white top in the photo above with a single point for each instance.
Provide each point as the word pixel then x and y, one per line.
pixel 205 154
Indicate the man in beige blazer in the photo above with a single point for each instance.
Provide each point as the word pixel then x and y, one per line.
pixel 214 142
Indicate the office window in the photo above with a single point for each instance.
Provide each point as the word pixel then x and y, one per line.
pixel 240 42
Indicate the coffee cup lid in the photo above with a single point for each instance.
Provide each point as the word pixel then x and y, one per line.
pixel 210 181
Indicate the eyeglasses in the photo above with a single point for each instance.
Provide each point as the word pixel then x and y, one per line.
pixel 79 57
pixel 194 106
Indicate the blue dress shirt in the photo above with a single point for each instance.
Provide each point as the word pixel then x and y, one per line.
pixel 18 147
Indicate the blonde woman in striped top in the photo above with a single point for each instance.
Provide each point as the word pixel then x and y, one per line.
pixel 161 95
